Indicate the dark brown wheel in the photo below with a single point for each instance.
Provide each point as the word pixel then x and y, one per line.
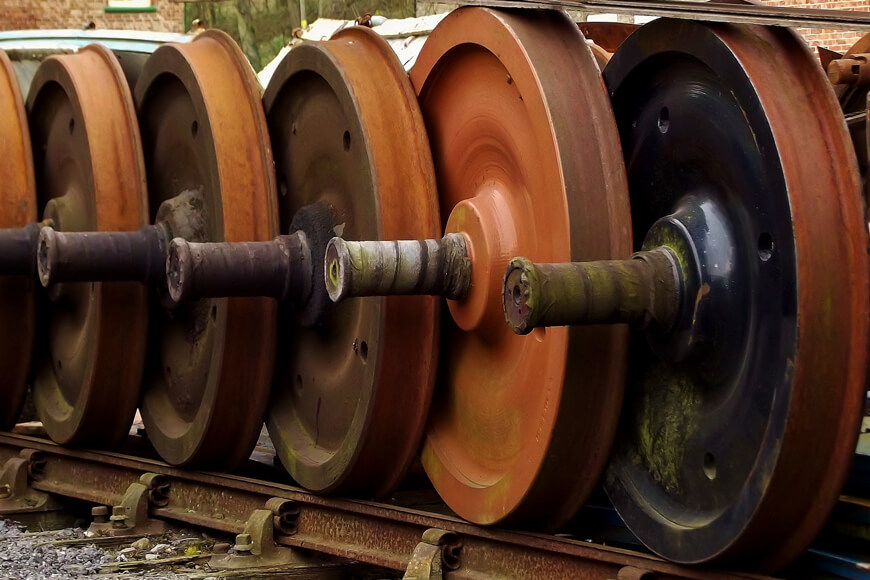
pixel 527 162
pixel 90 177
pixel 18 200
pixel 209 368
pixel 353 381
pixel 740 423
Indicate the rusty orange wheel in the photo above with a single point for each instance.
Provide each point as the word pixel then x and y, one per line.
pixel 605 37
pixel 354 380
pixel 209 371
pixel 90 177
pixel 18 199
pixel 527 162
pixel 740 423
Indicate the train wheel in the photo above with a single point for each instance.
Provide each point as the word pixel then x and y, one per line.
pixel 207 154
pixel 527 159
pixel 18 199
pixel 353 381
pixel 740 424
pixel 90 176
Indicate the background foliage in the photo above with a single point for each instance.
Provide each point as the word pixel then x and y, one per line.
pixel 263 27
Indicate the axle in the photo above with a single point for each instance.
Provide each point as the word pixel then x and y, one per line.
pixel 120 256
pixel 279 269
pixel 18 250
pixel 426 267
pixel 850 70
pixel 105 256
pixel 642 291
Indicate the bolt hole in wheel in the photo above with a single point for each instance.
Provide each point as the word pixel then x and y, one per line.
pixel 765 247
pixel 518 295
pixel 664 120
pixel 194 129
pixel 710 466
pixel 346 140
pixel 72 126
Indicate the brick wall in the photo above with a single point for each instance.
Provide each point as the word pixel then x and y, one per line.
pixel 27 14
pixel 837 40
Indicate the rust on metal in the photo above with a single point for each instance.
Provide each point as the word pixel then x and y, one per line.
pixel 352 158
pixel 852 70
pixel 528 162
pixel 208 376
pixel 607 35
pixel 722 12
pixel 18 199
pixel 377 534
pixel 90 177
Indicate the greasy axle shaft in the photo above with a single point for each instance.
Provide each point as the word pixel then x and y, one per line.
pixel 138 256
pixel 18 250
pixel 643 291
pixel 101 256
pixel 424 267
pixel 279 269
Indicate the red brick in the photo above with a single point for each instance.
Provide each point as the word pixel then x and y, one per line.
pixel 31 14
pixel 838 40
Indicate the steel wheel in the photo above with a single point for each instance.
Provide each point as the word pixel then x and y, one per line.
pixel 353 381
pixel 18 199
pixel 528 162
pixel 209 369
pixel 90 176
pixel 738 431
pixel 605 37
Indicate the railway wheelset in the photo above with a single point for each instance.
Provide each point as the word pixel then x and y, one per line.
pixel 530 279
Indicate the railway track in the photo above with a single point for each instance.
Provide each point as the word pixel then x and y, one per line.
pixel 532 281
pixel 376 533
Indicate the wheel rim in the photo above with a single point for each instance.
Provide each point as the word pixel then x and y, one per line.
pixel 706 98
pixel 351 154
pixel 18 197
pixel 499 436
pixel 203 128
pixel 90 177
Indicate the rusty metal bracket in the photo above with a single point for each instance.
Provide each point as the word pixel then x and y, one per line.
pixel 130 517
pixel 439 551
pixel 256 547
pixel 16 495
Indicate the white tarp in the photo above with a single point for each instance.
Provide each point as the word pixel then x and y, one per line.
pixel 405 35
